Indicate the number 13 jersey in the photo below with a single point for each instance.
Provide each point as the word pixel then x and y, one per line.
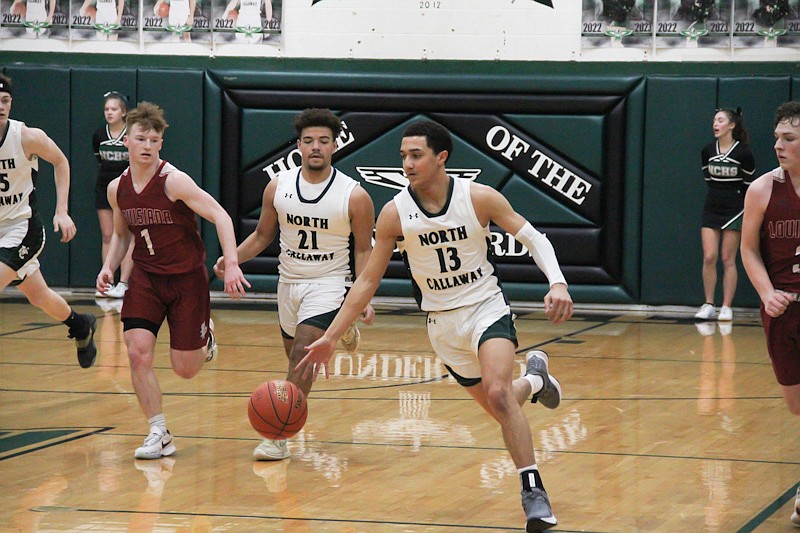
pixel 447 253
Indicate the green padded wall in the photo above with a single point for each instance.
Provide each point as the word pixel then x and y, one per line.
pixel 673 188
pixel 88 85
pixel 663 188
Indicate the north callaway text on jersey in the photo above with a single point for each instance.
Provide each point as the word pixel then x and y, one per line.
pixel 303 256
pixel 440 284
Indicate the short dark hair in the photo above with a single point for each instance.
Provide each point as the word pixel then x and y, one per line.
pixel 314 117
pixel 5 84
pixel 436 135
pixel 788 112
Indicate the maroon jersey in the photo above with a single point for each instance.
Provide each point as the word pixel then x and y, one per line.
pixel 780 234
pixel 165 232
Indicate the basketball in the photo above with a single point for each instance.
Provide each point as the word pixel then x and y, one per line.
pixel 277 409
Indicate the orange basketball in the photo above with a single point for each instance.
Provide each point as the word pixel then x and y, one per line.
pixel 162 9
pixel 277 409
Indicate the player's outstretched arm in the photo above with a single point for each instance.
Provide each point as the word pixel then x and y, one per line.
pixel 36 142
pixel 120 241
pixel 264 234
pixel 179 186
pixel 362 221
pixel 490 205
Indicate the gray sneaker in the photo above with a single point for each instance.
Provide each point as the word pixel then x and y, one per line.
pixel 536 364
pixel 537 509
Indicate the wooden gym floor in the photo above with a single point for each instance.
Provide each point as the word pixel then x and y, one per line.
pixel 661 428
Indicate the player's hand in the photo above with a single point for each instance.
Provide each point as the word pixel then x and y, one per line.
pixel 63 222
pixel 105 279
pixel 219 268
pixel 367 316
pixel 558 304
pixel 235 282
pixel 777 303
pixel 319 353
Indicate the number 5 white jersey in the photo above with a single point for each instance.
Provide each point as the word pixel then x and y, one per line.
pixel 17 175
pixel 314 231
pixel 447 253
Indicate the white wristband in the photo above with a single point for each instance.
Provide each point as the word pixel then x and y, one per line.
pixel 542 252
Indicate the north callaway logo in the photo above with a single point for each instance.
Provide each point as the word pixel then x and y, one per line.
pixel 548 3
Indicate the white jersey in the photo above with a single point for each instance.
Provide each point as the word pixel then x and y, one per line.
pixel 17 192
pixel 36 11
pixel 447 253
pixel 314 232
pixel 178 12
pixel 106 12
pixel 249 14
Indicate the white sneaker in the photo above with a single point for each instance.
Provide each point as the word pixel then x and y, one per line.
pixel 706 329
pixel 706 312
pixel 351 338
pixel 109 305
pixel 157 444
pixel 796 514
pixel 211 348
pixel 118 290
pixel 98 294
pixel 271 450
pixel 725 314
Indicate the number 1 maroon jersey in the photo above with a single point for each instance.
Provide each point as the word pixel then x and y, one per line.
pixel 165 232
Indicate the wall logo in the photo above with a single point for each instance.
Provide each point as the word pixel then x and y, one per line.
pixel 395 178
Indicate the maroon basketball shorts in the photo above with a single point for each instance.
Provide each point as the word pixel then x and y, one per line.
pixel 783 343
pixel 183 299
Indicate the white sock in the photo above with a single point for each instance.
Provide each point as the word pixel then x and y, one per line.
pixel 159 422
pixel 537 383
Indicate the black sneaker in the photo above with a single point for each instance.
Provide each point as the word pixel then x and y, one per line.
pixel 87 351
pixel 537 509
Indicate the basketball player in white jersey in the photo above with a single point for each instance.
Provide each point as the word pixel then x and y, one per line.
pixel 108 13
pixel 441 226
pixel 317 208
pixel 181 13
pixel 22 233
pixel 36 12
pixel 246 15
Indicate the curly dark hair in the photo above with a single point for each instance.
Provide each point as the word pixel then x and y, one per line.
pixel 312 117
pixel 696 10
